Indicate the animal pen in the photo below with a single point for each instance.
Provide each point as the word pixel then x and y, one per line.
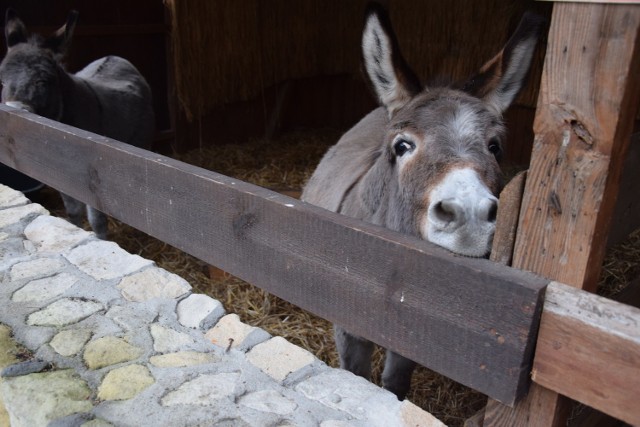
pixel 514 333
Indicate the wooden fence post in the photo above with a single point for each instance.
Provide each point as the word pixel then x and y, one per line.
pixel 587 103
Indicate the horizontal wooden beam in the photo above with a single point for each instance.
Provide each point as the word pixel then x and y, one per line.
pixel 469 319
pixel 589 350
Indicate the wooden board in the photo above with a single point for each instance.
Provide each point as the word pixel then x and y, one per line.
pixel 507 220
pixel 584 120
pixel 589 350
pixel 587 103
pixel 469 319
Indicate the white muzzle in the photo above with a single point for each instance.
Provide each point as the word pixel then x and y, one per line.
pixel 462 214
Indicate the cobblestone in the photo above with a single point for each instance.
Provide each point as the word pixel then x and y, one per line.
pixel 107 351
pixel 125 383
pixel 199 311
pixel 35 268
pixel 64 312
pixel 54 235
pixel 230 332
pixel 278 358
pixel 41 290
pixel 36 399
pixel 153 283
pixel 105 260
pixel 70 342
pixel 95 337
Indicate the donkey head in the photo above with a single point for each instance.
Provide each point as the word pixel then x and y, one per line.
pixel 439 159
pixel 30 72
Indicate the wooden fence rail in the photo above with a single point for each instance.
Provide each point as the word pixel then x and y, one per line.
pixel 589 350
pixel 469 319
pixel 472 320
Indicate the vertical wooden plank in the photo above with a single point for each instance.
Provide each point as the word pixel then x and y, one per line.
pixel 507 220
pixel 540 408
pixel 584 118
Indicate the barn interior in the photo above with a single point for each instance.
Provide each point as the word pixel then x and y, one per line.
pixel 259 90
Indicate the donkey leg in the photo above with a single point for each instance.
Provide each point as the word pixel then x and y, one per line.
pixel 98 222
pixel 74 208
pixel 355 352
pixel 396 376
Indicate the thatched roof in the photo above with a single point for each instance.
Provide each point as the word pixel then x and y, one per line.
pixel 227 50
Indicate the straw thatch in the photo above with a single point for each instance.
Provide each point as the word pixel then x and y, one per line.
pixel 226 51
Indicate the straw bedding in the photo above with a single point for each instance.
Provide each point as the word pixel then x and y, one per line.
pixel 286 163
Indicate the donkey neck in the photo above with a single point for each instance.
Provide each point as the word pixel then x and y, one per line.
pixel 81 106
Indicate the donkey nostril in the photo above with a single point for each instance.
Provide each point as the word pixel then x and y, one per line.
pixel 489 210
pixel 446 210
pixel 493 212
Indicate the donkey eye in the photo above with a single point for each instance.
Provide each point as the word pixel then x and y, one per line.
pixel 494 147
pixel 402 146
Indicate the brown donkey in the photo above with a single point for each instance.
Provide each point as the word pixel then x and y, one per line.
pixel 425 163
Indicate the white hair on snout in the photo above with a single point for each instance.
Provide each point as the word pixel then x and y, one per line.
pixel 461 214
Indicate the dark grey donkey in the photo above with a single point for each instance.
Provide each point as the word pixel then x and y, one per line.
pixel 108 97
pixel 425 163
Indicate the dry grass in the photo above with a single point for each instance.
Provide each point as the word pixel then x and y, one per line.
pixel 287 163
pixel 621 265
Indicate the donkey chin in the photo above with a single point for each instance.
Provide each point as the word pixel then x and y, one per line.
pixel 471 241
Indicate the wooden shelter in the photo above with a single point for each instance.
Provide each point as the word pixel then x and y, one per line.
pixel 254 69
pixel 557 222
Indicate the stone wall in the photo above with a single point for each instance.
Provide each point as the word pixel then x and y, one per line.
pixel 91 335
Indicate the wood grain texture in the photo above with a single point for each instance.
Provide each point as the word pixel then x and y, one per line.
pixel 495 413
pixel 469 319
pixel 540 408
pixel 588 99
pixel 507 220
pixel 589 350
pixel 587 103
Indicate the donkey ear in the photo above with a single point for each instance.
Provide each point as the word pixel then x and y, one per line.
pixel 501 78
pixel 60 40
pixel 14 30
pixel 391 78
